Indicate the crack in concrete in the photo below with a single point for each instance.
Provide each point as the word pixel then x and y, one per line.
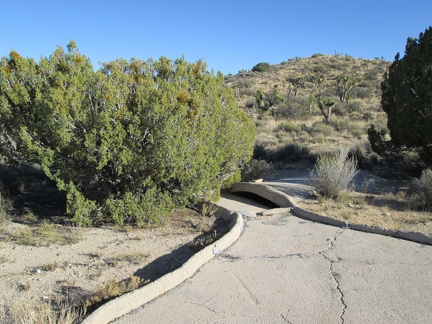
pixel 285 319
pixel 334 274
pixel 206 307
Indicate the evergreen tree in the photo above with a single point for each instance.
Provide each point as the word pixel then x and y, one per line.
pixel 407 98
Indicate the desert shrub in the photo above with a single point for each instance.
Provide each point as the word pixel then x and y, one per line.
pixel 339 124
pixel 362 92
pixel 260 152
pixel 288 126
pixel 356 129
pixel 368 116
pixel 129 142
pixel 261 67
pixel 318 139
pixel 355 115
pixel 247 92
pixel 355 106
pixel 296 108
pixel 333 173
pixel 410 158
pixel 363 154
pixel 321 128
pixel 423 189
pixel 5 206
pixel 291 152
pixel 32 310
pixel 303 137
pixel 256 169
pixel 340 109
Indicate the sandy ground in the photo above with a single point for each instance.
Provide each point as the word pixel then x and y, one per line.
pixel 100 256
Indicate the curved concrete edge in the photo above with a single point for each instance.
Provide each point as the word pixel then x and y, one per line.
pixel 283 200
pixel 409 236
pixel 126 303
pixel 275 196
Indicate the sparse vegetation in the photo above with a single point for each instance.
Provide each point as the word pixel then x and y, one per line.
pixel 114 288
pixel 44 234
pixel 301 82
pixel 205 240
pixel 393 211
pixel 37 311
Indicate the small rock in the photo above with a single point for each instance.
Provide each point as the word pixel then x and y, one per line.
pixel 248 214
pixel 216 250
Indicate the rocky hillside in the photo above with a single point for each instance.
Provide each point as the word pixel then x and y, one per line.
pixel 313 104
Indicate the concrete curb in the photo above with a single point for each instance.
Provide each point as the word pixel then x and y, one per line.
pixel 283 200
pixel 409 236
pixel 130 301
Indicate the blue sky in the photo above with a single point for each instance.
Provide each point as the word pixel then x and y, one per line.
pixel 228 35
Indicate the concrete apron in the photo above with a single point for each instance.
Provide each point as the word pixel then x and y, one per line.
pixel 296 291
pixel 286 269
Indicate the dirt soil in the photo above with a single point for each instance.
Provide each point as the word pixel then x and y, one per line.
pixel 99 256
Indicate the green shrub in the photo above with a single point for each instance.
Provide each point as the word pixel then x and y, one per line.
pixel 288 127
pixel 291 152
pixel 356 129
pixel 261 67
pixel 340 124
pixel 362 153
pixel 296 108
pixel 318 139
pixel 256 169
pixel 333 173
pixel 423 189
pixel 303 137
pixel 368 116
pixel 321 128
pixel 128 142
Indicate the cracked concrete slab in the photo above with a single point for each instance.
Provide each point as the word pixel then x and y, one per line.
pixel 291 270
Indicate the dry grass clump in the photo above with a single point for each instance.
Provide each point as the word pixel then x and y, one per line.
pixel 333 173
pixel 113 289
pixel 37 311
pixel 44 234
pixel 205 240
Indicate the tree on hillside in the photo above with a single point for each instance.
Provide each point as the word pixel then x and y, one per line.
pixel 407 99
pixel 129 142
pixel 294 83
pixel 261 67
pixel 325 106
pixel 344 85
